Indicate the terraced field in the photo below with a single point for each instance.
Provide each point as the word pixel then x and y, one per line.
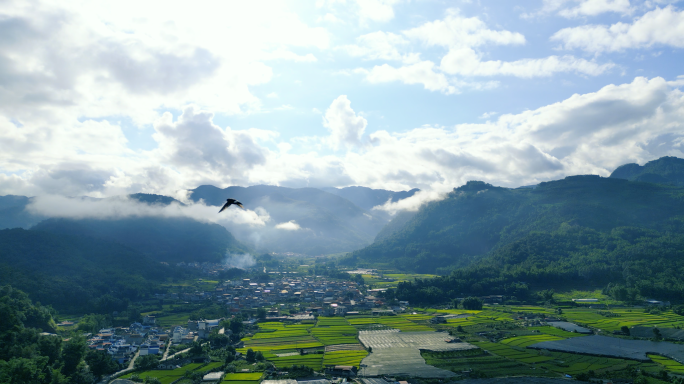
pixel 277 336
pixel 243 378
pixel 668 364
pixel 167 376
pixel 503 350
pixel 488 366
pixel 313 361
pixel 623 317
pixel 524 341
pixel 344 357
pixel 334 330
pixel 555 331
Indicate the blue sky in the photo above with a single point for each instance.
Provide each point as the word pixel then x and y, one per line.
pixel 105 98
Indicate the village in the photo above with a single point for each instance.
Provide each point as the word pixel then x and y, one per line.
pixel 282 300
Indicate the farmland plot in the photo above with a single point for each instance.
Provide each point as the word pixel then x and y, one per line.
pixel 344 358
pixel 277 336
pixel 334 330
pixel 398 353
pixel 313 361
pixel 668 364
pixel 614 347
pixel 621 317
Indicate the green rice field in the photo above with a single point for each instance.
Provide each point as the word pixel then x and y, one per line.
pixel 622 317
pixel 167 376
pixel 668 364
pixel 313 361
pixel 524 341
pixel 254 376
pixel 344 357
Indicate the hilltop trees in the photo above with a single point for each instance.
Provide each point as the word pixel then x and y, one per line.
pixel 26 356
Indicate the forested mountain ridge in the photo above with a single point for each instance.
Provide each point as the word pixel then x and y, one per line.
pixel 666 170
pixel 170 239
pixel 478 218
pixel 76 272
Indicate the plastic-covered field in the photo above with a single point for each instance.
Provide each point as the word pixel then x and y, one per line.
pixel 398 322
pixel 614 347
pixel 398 353
pixel 570 327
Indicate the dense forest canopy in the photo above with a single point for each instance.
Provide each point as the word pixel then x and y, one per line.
pixel 77 272
pixel 27 356
pixel 478 218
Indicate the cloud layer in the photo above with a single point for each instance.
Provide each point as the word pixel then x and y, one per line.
pixel 110 98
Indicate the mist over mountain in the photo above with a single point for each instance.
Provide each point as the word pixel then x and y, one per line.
pixel 478 218
pixel 302 220
pixel 367 198
pixel 13 212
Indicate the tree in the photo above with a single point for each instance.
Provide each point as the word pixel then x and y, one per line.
pixel 259 356
pixel 656 334
pixel 101 363
pixel 261 314
pixel 236 325
pixel 81 376
pixel 625 330
pixel 251 356
pixel 72 353
pixel 152 380
pixel 547 295
pixel 196 349
pixel 218 340
pixel 146 362
pixel 472 303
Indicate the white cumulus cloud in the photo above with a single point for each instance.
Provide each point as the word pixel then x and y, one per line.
pixel 659 27
pixel 346 127
pixel 289 226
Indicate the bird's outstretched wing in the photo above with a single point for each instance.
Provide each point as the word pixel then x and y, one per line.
pixel 226 205
pixel 230 202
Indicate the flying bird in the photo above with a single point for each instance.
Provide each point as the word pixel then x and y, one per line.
pixel 230 202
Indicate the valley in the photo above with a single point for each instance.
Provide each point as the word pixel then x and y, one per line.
pixel 578 278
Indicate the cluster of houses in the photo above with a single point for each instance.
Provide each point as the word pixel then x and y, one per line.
pixel 319 295
pixel 123 343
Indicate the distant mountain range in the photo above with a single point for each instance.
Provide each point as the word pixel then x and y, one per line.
pixel 624 234
pixel 478 218
pixel 329 221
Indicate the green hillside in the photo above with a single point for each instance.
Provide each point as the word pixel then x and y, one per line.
pixel 666 170
pixel 162 239
pixel 74 272
pixel 478 218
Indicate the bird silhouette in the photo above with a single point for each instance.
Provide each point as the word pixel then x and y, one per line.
pixel 230 202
